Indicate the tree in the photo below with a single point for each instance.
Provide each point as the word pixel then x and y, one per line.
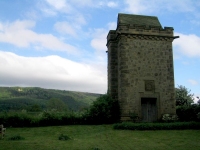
pixel 35 108
pixel 104 110
pixel 57 104
pixel 198 102
pixel 183 96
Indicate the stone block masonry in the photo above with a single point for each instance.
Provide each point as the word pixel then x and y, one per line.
pixel 140 67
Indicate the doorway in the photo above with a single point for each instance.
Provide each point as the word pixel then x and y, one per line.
pixel 149 109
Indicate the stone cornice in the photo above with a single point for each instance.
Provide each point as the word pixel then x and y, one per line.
pixel 158 37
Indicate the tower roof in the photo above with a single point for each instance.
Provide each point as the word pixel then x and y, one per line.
pixel 138 20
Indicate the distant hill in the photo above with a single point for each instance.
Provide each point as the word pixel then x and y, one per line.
pixel 18 98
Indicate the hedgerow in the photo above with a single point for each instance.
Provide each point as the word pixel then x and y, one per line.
pixel 103 111
pixel 157 126
pixel 46 118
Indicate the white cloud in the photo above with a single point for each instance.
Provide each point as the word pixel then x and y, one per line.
pixel 193 82
pixel 72 6
pixel 71 10
pixel 148 6
pixel 74 20
pixel 17 25
pixel 57 6
pixel 99 40
pixel 93 3
pixel 79 20
pixel 112 4
pixel 19 33
pixel 51 72
pixel 136 6
pixel 100 37
pixel 65 28
pixel 105 3
pixel 81 3
pixel 48 12
pixel 188 45
pixel 73 27
pixel 32 14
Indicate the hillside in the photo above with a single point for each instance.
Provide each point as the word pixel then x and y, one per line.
pixel 18 98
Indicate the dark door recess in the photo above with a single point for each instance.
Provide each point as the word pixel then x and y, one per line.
pixel 149 109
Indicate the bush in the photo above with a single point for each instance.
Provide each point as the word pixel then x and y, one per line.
pixel 50 118
pixel 198 116
pixel 17 120
pixel 71 118
pixel 157 126
pixel 103 110
pixel 16 137
pixel 169 118
pixel 188 113
pixel 134 116
pixel 63 137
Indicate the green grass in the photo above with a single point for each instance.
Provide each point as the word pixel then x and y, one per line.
pixel 101 137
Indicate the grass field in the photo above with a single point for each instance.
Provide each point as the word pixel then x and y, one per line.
pixel 101 137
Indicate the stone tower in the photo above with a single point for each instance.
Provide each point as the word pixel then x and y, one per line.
pixel 140 67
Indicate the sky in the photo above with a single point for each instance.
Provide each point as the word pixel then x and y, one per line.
pixel 61 44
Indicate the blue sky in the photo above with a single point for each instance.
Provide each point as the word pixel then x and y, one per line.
pixel 61 44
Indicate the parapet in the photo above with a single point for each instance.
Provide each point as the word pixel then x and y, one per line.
pixel 139 25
